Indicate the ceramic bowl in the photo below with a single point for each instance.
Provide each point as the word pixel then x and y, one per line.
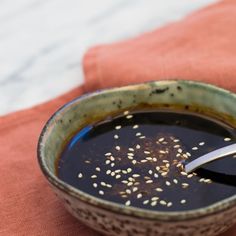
pixel 116 219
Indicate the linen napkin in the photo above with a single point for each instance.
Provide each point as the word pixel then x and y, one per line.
pixel 201 47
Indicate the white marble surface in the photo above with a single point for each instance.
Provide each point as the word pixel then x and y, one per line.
pixel 42 41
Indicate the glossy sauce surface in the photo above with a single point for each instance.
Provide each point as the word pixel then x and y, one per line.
pixel 136 159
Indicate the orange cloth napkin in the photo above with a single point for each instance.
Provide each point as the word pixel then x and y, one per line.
pixel 201 47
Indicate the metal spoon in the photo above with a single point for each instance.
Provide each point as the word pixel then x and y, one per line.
pixel 209 157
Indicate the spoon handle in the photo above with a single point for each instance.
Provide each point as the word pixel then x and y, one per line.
pixel 209 157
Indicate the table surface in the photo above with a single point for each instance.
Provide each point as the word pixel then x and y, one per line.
pixel 42 42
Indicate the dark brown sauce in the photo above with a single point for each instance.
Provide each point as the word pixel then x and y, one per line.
pixel 135 159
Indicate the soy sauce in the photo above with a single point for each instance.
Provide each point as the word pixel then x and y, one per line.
pixel 136 159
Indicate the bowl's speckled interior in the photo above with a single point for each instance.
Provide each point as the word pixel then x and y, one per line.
pixel 74 115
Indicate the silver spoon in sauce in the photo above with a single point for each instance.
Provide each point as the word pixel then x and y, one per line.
pixel 209 157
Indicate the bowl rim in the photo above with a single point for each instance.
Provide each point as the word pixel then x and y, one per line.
pixel 120 208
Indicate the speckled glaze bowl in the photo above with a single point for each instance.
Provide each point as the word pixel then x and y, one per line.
pixel 115 219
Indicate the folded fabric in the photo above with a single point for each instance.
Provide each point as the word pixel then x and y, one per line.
pixel 201 47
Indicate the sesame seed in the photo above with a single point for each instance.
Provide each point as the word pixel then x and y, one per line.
pixel 145 202
pixel 179 165
pixel 162 152
pixel 165 161
pixel 138 146
pixel 93 176
pixel 117 148
pixel 143 161
pixel 101 192
pixel 118 127
pixel 117 171
pixel 130 154
pixel 87 161
pixel 130 157
pixel 150 172
pixel 130 184
pixel 176 146
pixel 185 185
pixel 201 143
pixel 201 180
pixel 108 154
pixel 154 159
pixel 188 154
pixel 175 181
pixel 147 152
pixel 107 162
pixel 124 181
pixel 109 185
pixel 164 173
pixel 161 139
pixel 195 148
pixel 128 191
pixel 126 113
pixel 156 175
pixel 149 181
pixel 80 175
pixel 183 201
pixel 190 175
pixel 98 169
pixel 129 117
pixel 112 164
pixel 95 185
pixel 138 134
pixel 116 136
pixel 169 204
pixel 154 198
pixel 158 168
pixel 135 175
pixel 103 184
pixel 108 172
pixel 112 158
pixel 227 139
pixel 124 172
pixel 183 173
pixel 113 173
pixel 135 126
pixel 129 170
pixel 159 189
pixel 135 189
pixel 139 195
pixel 149 158
pixel 162 202
pixel 118 176
pixel 131 179
pixel 128 203
pixel 131 149
pixel 154 203
pixel 168 183
pixel 207 181
pixel 176 140
pixel 134 162
pixel 179 150
pixel 142 137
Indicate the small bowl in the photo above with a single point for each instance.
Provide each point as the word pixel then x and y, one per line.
pixel 116 219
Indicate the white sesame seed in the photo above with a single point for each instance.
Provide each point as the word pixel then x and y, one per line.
pixel 108 162
pixel 130 157
pixel 176 140
pixel 161 139
pixel 179 165
pixel 201 180
pixel 130 184
pixel 142 137
pixel 95 185
pixel 126 113
pixel 113 173
pixel 136 175
pixel 190 175
pixel 93 176
pixel 149 158
pixel 164 173
pixel 149 181
pixel 117 148
pixel 143 161
pixel 135 189
pixel 154 203
pixel 168 183
pixel 183 173
pixel 154 198
pixel 112 158
pixel 108 154
pixel 159 189
pixel 129 170
pixel 128 191
pixel 124 172
pixel 207 181
pixel 154 159
pixel 131 149
pixel 128 203
pixel 201 143
pixel 112 164
pixel 129 117
pixel 101 192
pixel 134 162
pixel 118 127
pixel 162 202
pixel 185 185
pixel 156 175
pixel 139 195
pixel 176 146
pixel 175 181
pixel 150 172
pixel 147 152
pixel 131 179
pixel 145 202
pixel 162 152
pixel 130 154
pixel 158 168
pixel 116 136
pixel 169 204
pixel 165 161
pixel 98 169
pixel 183 201
pixel 135 126
pixel 195 148
pixel 118 176
pixel 179 150
pixel 80 175
pixel 103 184
pixel 124 181
pixel 188 154
pixel 227 139
pixel 138 134
pixel 138 146
pixel 117 171
pixel 108 172
pixel 167 165
pixel 109 185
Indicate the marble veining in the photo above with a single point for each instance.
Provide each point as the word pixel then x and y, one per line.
pixel 42 42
